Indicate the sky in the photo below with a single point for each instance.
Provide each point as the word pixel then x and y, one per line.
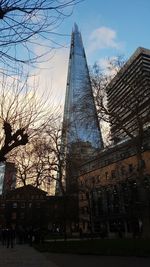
pixel 109 28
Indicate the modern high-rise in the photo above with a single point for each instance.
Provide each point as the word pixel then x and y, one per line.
pixel 129 96
pixel 81 135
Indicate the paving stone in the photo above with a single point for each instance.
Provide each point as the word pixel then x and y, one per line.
pixel 23 256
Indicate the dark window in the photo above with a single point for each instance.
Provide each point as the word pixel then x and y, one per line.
pixel 3 205
pixel 87 209
pixel 122 170
pixel 13 215
pixel 84 224
pixel 38 205
pixel 107 162
pixel 130 168
pixel 23 205
pixel 82 210
pixel 113 174
pixel 106 175
pixel 142 163
pixel 14 205
pixel 22 215
pixel 97 179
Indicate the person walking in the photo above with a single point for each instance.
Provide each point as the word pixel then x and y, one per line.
pixel 9 237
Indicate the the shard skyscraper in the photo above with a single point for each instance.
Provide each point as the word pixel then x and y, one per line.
pixel 81 135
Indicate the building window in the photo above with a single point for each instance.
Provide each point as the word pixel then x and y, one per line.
pixel 84 224
pixel 14 205
pixel 106 175
pixel 82 210
pixel 30 205
pixel 123 155
pixel 93 180
pixel 113 174
pixel 23 205
pixel 107 162
pixel 13 216
pixel 142 163
pixel 130 168
pixel 82 197
pixel 87 209
pixel 38 205
pixel 98 179
pixel 22 215
pixel 122 170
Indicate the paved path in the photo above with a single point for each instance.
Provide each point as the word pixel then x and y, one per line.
pixel 63 260
pixel 23 256
pixel 26 256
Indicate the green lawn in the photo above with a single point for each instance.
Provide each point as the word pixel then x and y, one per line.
pixel 120 247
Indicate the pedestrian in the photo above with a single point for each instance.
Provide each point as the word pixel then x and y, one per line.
pixel 4 231
pixel 10 237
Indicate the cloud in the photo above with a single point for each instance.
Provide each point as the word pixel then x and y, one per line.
pixel 52 76
pixel 106 66
pixel 103 37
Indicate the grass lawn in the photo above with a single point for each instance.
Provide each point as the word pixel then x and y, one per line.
pixel 111 247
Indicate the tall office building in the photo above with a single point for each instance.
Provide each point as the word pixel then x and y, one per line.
pixel 81 135
pixel 129 96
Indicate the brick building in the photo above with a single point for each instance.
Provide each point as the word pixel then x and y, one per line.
pixel 25 206
pixel 30 207
pixel 114 192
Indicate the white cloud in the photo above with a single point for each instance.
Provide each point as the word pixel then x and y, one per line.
pixel 106 66
pixel 52 76
pixel 103 37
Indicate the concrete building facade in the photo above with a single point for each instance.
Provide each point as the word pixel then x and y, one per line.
pixel 129 96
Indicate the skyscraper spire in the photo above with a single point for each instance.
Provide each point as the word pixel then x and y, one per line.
pixel 81 135
pixel 76 28
pixel 80 116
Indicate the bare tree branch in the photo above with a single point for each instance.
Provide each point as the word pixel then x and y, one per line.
pixel 27 24
pixel 23 114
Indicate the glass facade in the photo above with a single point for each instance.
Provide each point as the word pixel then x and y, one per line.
pixel 80 119
pixel 81 135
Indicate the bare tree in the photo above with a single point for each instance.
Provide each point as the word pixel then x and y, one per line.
pixel 26 24
pixel 32 167
pixel 41 163
pixel 23 114
pixel 100 79
pixel 56 157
